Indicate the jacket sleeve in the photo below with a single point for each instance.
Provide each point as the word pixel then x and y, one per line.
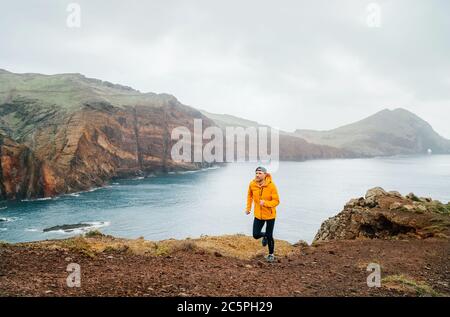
pixel 275 198
pixel 249 198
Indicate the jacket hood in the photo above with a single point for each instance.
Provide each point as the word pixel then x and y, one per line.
pixel 267 180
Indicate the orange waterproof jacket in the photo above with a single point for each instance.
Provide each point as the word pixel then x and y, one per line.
pixel 267 192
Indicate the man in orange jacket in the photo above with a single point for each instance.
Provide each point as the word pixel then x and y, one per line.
pixel 264 193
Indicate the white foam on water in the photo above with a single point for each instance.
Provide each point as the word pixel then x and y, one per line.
pixel 38 199
pixel 31 230
pixel 93 189
pixel 196 171
pixel 212 168
pixel 45 198
pixel 188 172
pixel 3 229
pixel 98 224
pixel 77 194
pixel 9 219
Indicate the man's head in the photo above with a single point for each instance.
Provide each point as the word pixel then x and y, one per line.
pixel 260 173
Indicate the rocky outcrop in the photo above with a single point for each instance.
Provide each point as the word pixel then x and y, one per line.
pixel 388 215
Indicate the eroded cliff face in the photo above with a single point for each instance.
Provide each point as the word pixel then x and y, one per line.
pixel 57 151
pixel 21 174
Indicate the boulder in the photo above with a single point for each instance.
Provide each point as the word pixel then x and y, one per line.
pixel 373 194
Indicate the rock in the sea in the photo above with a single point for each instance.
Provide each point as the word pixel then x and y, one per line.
pixel 68 228
pixel 387 215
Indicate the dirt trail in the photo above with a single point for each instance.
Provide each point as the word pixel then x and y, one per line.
pixel 335 268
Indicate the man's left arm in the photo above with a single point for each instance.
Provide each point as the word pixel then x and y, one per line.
pixel 275 198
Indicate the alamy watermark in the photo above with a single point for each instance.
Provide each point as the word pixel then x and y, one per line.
pixel 239 144
pixel 74 278
pixel 374 278
pixel 74 17
pixel 373 18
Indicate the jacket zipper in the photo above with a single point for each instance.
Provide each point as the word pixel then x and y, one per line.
pixel 260 207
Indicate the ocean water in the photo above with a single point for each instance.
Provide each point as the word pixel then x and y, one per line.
pixel 212 201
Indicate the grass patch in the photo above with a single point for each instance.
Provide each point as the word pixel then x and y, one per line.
pixel 78 244
pixel 93 233
pixel 187 246
pixel 413 197
pixel 438 207
pixel 241 246
pixel 238 246
pixel 406 284
pixel 435 228
pixel 161 250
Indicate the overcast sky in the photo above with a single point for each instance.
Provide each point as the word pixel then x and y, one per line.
pixel 290 64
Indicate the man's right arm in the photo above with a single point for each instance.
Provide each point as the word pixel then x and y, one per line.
pixel 249 199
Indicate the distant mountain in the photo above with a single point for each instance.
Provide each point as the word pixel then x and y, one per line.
pixel 388 132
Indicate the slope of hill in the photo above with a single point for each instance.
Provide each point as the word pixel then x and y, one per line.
pixel 226 120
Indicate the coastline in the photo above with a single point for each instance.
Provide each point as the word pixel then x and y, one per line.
pixel 183 170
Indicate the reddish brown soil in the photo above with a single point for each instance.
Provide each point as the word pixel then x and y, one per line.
pixel 335 268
